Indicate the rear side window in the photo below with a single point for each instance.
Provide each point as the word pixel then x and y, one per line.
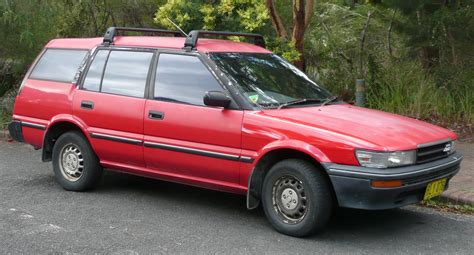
pixel 58 65
pixel 126 73
pixel 183 79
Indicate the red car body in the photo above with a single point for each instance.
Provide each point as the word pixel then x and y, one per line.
pixel 218 148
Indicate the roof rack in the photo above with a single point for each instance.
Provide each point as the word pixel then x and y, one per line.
pixel 192 38
pixel 111 32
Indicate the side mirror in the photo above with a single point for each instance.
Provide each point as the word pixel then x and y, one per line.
pixel 216 98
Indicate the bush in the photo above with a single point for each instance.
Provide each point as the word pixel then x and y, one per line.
pixel 406 88
pixel 403 88
pixel 5 113
pixel 396 80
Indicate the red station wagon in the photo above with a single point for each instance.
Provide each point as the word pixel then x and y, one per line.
pixel 223 115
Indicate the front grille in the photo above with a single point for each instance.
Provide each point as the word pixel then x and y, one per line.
pixel 432 152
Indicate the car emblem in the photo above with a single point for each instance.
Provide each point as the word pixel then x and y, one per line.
pixel 447 148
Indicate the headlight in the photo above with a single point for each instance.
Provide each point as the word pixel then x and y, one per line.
pixel 385 159
pixel 453 147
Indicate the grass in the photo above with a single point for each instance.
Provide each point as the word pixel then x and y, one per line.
pixel 408 90
pixel 5 110
pixel 4 120
pixel 448 206
pixel 5 117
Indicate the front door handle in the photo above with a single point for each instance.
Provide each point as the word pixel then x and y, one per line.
pixel 88 105
pixel 156 115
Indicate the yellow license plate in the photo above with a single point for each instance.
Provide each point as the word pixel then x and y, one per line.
pixel 434 189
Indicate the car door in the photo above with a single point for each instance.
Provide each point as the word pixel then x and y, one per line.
pixel 111 102
pixel 183 136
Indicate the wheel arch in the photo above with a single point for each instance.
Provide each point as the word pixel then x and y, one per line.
pixel 273 156
pixel 56 128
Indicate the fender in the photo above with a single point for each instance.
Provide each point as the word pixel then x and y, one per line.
pixel 64 118
pixel 265 160
pixel 297 145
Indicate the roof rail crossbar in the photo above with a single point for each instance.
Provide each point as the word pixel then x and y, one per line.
pixel 193 36
pixel 112 32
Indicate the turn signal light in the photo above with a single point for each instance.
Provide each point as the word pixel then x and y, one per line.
pixel 387 184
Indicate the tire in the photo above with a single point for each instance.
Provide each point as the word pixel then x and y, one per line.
pixel 81 170
pixel 297 198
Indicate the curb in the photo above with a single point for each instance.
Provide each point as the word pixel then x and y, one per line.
pixel 458 197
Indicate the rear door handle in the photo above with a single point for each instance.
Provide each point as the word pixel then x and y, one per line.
pixel 89 105
pixel 156 115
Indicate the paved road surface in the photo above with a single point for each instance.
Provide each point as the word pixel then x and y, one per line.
pixel 462 185
pixel 129 215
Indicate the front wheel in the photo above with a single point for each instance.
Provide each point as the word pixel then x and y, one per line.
pixel 296 198
pixel 75 165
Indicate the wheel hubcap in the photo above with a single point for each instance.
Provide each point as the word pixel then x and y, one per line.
pixel 71 162
pixel 289 199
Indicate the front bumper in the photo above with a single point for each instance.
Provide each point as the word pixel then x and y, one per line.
pixel 352 184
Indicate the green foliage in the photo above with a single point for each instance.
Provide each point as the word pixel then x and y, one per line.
pixel 442 205
pixel 283 48
pixel 403 88
pixel 237 15
pixel 398 80
pixel 92 17
pixel 444 27
pixel 27 25
pixel 5 117
pixel 224 15
pixel 422 67
pixel 334 42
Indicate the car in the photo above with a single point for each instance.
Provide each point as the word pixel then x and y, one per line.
pixel 223 115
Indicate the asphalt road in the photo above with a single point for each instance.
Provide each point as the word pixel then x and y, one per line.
pixel 129 215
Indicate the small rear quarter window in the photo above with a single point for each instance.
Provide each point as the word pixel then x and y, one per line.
pixel 58 65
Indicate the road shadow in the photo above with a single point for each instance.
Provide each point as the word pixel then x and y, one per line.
pixel 345 223
pixel 114 182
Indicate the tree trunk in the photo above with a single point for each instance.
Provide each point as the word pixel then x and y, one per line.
pixel 302 13
pixel 276 20
pixel 389 35
pixel 452 45
pixel 363 34
pixel 429 57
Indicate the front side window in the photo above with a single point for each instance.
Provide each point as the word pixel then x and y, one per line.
pixel 58 65
pixel 183 79
pixel 267 80
pixel 126 73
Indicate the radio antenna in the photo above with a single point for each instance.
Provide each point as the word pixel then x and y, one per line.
pixel 181 30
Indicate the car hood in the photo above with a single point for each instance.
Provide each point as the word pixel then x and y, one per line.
pixel 385 131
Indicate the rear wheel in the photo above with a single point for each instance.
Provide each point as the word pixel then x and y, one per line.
pixel 75 165
pixel 296 198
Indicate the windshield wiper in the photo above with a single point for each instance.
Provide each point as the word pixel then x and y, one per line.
pixel 329 100
pixel 300 101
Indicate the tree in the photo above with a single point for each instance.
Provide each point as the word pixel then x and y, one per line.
pixel 302 13
pixel 236 15
pixel 437 29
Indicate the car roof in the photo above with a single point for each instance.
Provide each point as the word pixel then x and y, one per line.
pixel 203 45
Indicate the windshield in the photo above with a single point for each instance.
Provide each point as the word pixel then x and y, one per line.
pixel 267 80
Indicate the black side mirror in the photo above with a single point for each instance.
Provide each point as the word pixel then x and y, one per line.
pixel 216 98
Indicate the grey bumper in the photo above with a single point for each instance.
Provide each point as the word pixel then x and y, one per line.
pixel 352 184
